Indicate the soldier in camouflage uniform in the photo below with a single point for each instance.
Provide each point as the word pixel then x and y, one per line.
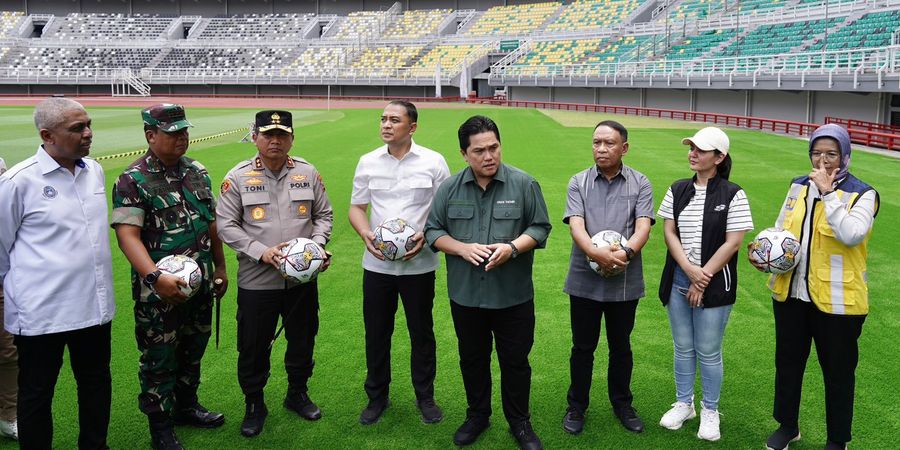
pixel 163 205
pixel 265 202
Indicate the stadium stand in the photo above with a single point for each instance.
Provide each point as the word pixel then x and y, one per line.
pixel 513 19
pixel 96 26
pixel 559 52
pixel 379 60
pixel 871 30
pixel 448 56
pixel 696 46
pixel 9 20
pixel 226 58
pixel 584 14
pixel 314 61
pixel 778 38
pixel 257 27
pixel 617 49
pixel 360 24
pixel 417 23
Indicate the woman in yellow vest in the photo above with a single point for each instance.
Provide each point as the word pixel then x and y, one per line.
pixel 825 298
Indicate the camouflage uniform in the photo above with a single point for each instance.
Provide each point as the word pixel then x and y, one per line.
pixel 174 209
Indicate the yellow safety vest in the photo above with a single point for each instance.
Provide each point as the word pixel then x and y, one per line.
pixel 836 273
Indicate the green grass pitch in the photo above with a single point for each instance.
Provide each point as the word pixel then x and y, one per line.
pixel 552 152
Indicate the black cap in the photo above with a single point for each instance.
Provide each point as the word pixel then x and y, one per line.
pixel 274 119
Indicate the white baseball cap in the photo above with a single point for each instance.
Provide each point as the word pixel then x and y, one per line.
pixel 709 139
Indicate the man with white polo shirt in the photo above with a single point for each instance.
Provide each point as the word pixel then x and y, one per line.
pixel 398 180
pixel 56 268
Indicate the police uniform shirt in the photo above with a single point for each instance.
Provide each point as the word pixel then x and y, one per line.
pixel 399 188
pixel 259 209
pixel 55 258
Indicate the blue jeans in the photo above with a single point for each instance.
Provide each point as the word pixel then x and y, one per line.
pixel 697 335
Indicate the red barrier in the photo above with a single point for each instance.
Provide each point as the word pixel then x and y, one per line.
pixel 859 136
pixel 453 99
pixel 864 125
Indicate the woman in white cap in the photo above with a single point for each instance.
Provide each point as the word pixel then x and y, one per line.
pixel 706 217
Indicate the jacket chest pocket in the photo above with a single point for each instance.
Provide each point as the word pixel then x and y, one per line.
pixel 420 189
pixel 461 221
pixel 256 207
pixel 301 203
pixel 171 219
pixel 505 226
pixel 205 202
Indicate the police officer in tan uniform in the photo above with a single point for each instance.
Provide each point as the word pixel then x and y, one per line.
pixel 264 203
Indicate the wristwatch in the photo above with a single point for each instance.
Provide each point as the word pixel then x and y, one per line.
pixel 515 251
pixel 151 278
pixel 629 252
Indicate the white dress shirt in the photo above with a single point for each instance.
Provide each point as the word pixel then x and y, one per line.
pixel 55 259
pixel 849 227
pixel 401 188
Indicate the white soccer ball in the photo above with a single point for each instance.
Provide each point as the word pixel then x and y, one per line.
pixel 393 238
pixel 774 250
pixel 607 238
pixel 183 267
pixel 303 260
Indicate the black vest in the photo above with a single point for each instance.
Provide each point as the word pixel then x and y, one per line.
pixel 722 288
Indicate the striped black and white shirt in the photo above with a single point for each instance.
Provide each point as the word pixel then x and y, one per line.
pixel 690 221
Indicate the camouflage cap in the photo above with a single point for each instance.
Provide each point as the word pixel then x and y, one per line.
pixel 167 116
pixel 274 120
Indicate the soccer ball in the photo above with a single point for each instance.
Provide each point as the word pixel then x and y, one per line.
pixel 607 238
pixel 774 250
pixel 303 260
pixel 393 238
pixel 183 267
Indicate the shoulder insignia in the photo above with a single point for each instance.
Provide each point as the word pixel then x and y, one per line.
pixel 254 181
pixel 290 162
pixel 252 173
pixel 298 177
pixel 257 163
pixel 319 176
pixel 226 185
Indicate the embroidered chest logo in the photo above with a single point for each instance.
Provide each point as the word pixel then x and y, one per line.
pixel 719 208
pixel 302 210
pixel 49 192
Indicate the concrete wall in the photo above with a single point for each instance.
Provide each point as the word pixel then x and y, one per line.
pixel 846 105
pixel 722 101
pixel 785 105
pixel 667 98
pixel 619 97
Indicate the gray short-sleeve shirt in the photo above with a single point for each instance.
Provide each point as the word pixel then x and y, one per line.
pixel 607 205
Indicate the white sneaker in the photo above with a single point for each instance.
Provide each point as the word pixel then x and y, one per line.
pixel 709 424
pixel 675 417
pixel 9 429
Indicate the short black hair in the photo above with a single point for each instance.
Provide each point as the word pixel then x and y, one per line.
pixel 476 125
pixel 411 110
pixel 615 126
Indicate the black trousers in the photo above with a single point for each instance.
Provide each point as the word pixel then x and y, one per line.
pixel 380 294
pixel 40 358
pixel 257 317
pixel 586 316
pixel 797 324
pixel 513 330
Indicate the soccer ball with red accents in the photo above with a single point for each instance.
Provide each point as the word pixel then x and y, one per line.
pixel 774 250
pixel 607 238
pixel 183 267
pixel 303 260
pixel 393 238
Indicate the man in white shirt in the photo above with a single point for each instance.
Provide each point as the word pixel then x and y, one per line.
pixel 9 371
pixel 56 268
pixel 398 180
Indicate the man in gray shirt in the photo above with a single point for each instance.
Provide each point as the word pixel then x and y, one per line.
pixel 607 196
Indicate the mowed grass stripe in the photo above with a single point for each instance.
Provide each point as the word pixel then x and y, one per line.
pixel 764 165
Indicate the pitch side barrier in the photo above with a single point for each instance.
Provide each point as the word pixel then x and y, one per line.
pixel 871 138
pixel 864 125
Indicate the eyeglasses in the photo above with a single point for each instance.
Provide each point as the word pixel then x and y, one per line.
pixel 830 156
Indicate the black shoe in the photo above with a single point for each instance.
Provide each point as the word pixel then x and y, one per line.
pixel 431 412
pixel 254 418
pixel 198 416
pixel 469 431
pixel 630 420
pixel 373 412
pixel 303 406
pixel 782 437
pixel 835 446
pixel 163 438
pixel 526 438
pixel 573 422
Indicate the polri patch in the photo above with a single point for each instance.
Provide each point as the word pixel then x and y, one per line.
pixel 226 185
pixel 258 213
